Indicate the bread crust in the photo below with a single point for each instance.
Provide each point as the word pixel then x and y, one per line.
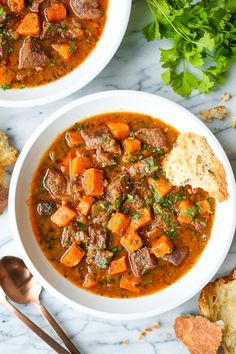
pixel 217 301
pixel 192 162
pixel 8 154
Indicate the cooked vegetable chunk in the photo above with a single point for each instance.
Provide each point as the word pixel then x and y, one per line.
pixel 131 146
pixel 119 130
pixel 55 13
pixel 29 26
pixel 162 246
pixel 118 223
pixel 63 216
pixel 132 241
pixel 131 284
pixel 160 186
pixel 16 6
pixel 85 205
pixel 186 212
pixel 92 181
pixel 73 138
pixel 78 165
pixel 63 49
pixel 205 206
pixel 118 266
pixel 73 256
pixel 6 75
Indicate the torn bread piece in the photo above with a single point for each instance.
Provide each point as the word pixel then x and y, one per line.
pixel 198 334
pixel 217 301
pixel 226 96
pixel 218 112
pixel 234 121
pixel 8 154
pixel 3 198
pixel 192 162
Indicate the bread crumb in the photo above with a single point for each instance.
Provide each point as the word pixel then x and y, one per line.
pixel 142 334
pixel 168 335
pixel 148 329
pixel 225 97
pixel 234 121
pixel 125 341
pixel 156 325
pixel 218 112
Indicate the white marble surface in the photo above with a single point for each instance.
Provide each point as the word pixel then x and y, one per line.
pixel 135 66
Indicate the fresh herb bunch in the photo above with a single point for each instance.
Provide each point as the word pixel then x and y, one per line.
pixel 203 39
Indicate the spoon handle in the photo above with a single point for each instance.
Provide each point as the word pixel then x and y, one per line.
pixel 55 326
pixel 43 335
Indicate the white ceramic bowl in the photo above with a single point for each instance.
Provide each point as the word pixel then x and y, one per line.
pixel 117 20
pixel 210 260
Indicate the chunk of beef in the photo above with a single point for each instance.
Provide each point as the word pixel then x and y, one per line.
pixel 133 205
pixel 3 198
pixel 45 208
pixel 141 261
pixel 73 29
pixel 102 258
pixel 98 238
pixel 55 183
pixel 118 188
pixel 48 30
pixel 104 158
pixel 1 47
pixel 177 256
pixel 199 226
pixel 36 5
pixel 145 167
pixel 100 138
pixel 100 213
pixel 86 9
pixel 31 56
pixel 73 233
pixel 152 136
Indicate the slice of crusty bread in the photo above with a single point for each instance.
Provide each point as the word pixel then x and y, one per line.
pixel 192 161
pixel 217 301
pixel 8 154
pixel 198 334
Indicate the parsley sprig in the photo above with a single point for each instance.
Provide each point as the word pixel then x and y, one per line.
pixel 203 41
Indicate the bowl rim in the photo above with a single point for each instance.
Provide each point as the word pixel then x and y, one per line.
pixel 17 238
pixel 91 74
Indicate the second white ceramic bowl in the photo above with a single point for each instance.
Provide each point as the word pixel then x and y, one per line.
pixel 210 260
pixel 118 14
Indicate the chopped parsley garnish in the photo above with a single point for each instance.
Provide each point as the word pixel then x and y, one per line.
pixel 116 203
pixel 80 225
pixel 1 11
pixel 136 216
pixel 6 87
pixel 104 138
pixel 72 46
pixel 130 197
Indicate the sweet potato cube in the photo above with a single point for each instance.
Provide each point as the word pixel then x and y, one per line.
pixel 118 266
pixel 72 256
pixel 16 6
pixel 119 130
pixel 78 165
pixel 6 75
pixel 131 146
pixel 30 25
pixel 92 181
pixel 131 284
pixel 85 205
pixel 162 246
pixel 118 223
pixel 141 218
pixel 131 241
pixel 161 186
pixel 73 138
pixel 55 13
pixel 63 50
pixel 186 212
pixel 90 281
pixel 63 216
pixel 205 206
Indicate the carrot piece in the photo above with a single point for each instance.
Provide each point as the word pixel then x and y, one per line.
pixel 92 181
pixel 85 205
pixel 141 218
pixel 73 138
pixel 78 165
pixel 131 241
pixel 131 146
pixel 30 25
pixel 118 266
pixel 72 256
pixel 162 246
pixel 63 216
pixel 119 130
pixel 89 281
pixel 186 212
pixel 63 50
pixel 205 206
pixel 161 186
pixel 16 6
pixel 6 75
pixel 55 13
pixel 131 284
pixel 118 223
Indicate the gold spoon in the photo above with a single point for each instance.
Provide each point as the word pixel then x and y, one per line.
pixel 21 287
